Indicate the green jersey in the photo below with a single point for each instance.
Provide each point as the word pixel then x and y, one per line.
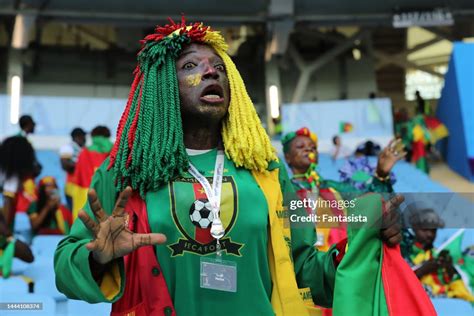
pixel 244 213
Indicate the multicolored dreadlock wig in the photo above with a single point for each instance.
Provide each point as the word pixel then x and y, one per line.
pixel 149 150
pixel 304 131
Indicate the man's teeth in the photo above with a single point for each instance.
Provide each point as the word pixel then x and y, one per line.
pixel 212 96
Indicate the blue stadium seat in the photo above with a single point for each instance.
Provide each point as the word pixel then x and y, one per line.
pixel 22 227
pixel 79 308
pixel 42 273
pixel 451 306
pixel 48 307
pixel 44 246
pixel 18 266
pixel 13 285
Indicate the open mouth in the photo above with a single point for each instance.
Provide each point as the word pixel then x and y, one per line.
pixel 212 94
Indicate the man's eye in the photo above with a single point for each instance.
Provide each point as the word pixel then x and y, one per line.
pixel 220 67
pixel 189 65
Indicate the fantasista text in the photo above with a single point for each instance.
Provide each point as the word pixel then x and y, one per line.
pixel 326 218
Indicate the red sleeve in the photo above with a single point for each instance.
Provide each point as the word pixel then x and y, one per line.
pixel 66 215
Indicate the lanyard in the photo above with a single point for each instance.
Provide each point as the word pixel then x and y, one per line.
pixel 213 193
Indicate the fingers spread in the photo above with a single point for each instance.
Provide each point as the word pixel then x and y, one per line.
pixel 91 246
pixel 96 207
pixel 89 222
pixel 148 239
pixel 122 201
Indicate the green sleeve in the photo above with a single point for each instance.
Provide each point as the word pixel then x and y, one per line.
pixel 378 186
pixel 71 260
pixel 32 208
pixel 345 189
pixel 348 192
pixel 314 269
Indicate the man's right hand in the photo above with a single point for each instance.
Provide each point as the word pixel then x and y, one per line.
pixel 112 238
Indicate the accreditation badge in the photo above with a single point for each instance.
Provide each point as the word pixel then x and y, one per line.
pixel 218 274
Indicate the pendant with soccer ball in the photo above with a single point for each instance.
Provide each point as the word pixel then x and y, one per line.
pixel 201 213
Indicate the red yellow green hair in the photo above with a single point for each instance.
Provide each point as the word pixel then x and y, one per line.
pixel 149 150
pixel 47 180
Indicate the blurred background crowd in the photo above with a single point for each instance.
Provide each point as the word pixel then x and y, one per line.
pixel 340 79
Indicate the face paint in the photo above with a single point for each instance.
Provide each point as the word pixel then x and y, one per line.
pixel 193 80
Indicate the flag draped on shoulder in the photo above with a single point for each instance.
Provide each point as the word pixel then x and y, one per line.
pixel 372 278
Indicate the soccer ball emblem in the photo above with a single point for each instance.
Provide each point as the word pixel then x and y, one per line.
pixel 201 214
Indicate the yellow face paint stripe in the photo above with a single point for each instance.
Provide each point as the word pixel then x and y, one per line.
pixel 193 80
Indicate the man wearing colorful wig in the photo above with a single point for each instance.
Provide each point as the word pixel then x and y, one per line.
pixel 189 121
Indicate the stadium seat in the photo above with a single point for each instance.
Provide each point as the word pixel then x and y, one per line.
pixel 22 227
pixel 79 308
pixel 18 266
pixel 48 307
pixel 42 273
pixel 13 285
pixel 44 246
pixel 451 306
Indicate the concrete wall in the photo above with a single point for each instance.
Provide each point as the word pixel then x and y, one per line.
pixel 325 84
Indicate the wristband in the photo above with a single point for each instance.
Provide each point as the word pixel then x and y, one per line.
pixel 383 179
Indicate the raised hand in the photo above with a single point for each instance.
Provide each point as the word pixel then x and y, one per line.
pixel 112 238
pixel 53 203
pixel 389 156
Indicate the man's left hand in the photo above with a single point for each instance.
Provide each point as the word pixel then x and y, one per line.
pixel 391 226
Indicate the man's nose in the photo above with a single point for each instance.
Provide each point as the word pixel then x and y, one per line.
pixel 209 71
